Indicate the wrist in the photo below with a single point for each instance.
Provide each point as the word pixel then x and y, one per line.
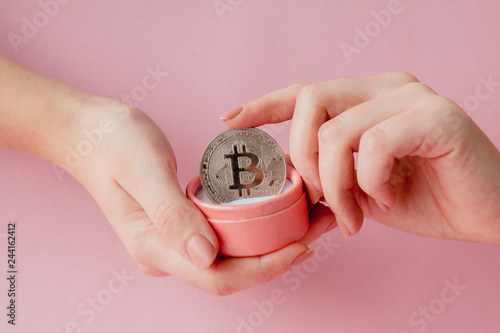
pixel 58 119
pixel 84 123
pixel 36 112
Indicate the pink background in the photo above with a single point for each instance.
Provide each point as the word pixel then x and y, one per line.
pixel 373 282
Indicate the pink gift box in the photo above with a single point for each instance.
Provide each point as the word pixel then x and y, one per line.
pixel 257 228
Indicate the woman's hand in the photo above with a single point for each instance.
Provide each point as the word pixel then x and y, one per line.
pixel 132 176
pixel 125 161
pixel 423 165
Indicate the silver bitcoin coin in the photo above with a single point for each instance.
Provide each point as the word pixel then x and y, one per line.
pixel 239 164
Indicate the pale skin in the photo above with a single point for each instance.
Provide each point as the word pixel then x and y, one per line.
pixel 131 174
pixel 423 165
pixel 451 191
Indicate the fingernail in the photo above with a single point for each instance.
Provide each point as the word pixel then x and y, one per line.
pixel 201 251
pixel 313 193
pixel 383 207
pixel 344 230
pixel 331 226
pixel 302 257
pixel 231 113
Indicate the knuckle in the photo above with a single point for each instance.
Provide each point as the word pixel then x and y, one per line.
pixel 331 131
pixel 403 77
pixel 167 217
pixel 372 140
pixel 308 92
pixel 445 103
pixel 299 86
pixel 444 112
pixel 419 88
pixel 442 104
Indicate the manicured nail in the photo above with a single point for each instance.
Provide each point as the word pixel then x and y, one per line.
pixel 231 113
pixel 201 251
pixel 302 257
pixel 331 226
pixel 344 229
pixel 383 207
pixel 313 193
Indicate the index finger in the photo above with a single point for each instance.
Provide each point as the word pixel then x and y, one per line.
pixel 272 108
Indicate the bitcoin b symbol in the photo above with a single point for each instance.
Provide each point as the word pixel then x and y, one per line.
pixel 247 176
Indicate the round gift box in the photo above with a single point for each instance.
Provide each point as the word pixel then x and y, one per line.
pixel 256 228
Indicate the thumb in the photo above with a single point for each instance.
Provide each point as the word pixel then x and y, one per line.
pixel 181 225
pixel 272 108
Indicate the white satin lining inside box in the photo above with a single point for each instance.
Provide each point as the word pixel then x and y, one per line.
pixel 200 194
